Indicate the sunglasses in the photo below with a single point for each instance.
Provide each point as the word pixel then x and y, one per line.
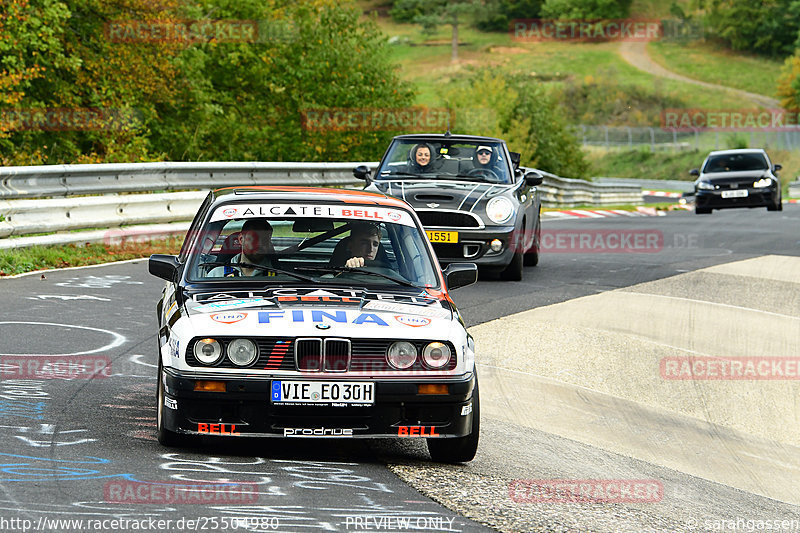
pixel 484 152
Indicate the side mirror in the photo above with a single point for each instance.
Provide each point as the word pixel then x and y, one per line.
pixel 776 167
pixel 515 159
pixel 533 178
pixel 164 266
pixel 694 172
pixel 362 172
pixel 458 275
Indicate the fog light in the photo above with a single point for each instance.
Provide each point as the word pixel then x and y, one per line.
pixel 209 386
pixel 496 245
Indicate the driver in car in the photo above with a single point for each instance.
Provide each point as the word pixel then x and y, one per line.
pixel 363 244
pixel 485 158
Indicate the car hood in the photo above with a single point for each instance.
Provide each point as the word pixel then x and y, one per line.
pixel 441 194
pixel 730 177
pixel 328 312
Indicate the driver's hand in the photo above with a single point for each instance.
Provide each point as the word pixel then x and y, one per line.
pixel 355 262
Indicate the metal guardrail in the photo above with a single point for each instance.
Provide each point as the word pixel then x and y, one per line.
pixel 20 216
pixel 794 189
pixel 70 180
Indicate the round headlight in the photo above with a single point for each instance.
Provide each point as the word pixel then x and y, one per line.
pixel 242 352
pixel 402 355
pixel 207 351
pixel 499 210
pixel 436 355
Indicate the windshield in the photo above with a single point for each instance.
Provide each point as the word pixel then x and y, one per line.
pixel 279 243
pixel 474 161
pixel 735 162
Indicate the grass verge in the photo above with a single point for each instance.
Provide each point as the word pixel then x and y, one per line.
pixel 20 260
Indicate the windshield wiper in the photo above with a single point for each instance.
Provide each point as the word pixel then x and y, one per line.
pixel 340 270
pixel 260 267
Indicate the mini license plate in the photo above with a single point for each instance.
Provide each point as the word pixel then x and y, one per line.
pixel 443 236
pixel 323 392
pixel 742 193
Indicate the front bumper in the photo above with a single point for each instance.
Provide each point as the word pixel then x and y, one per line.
pixel 473 246
pixel 754 198
pixel 245 410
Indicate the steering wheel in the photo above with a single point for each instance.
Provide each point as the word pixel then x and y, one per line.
pixel 485 173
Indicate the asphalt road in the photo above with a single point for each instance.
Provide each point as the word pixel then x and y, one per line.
pixel 78 449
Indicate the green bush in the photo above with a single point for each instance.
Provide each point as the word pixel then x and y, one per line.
pixel 586 9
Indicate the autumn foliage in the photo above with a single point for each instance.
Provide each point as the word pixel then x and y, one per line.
pixel 232 96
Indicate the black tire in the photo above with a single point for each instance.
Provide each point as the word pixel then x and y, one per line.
pixel 702 211
pixel 532 255
pixel 165 436
pixel 513 272
pixel 777 206
pixel 459 449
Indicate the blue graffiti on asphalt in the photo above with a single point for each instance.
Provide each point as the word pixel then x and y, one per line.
pixel 15 467
pixel 22 409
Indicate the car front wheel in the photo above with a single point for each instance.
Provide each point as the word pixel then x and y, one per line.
pixel 459 449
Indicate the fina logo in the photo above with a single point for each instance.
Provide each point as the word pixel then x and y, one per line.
pixel 413 321
pixel 228 318
pixel 231 211
pixel 393 216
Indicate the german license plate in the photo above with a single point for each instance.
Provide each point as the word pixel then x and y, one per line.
pixel 443 236
pixel 741 193
pixel 322 392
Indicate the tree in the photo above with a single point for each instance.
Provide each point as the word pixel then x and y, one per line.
pixel 433 13
pixel 524 114
pixel 768 27
pixel 789 85
pixel 586 9
pixel 497 15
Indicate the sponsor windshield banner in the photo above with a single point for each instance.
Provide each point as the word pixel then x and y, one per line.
pixel 353 212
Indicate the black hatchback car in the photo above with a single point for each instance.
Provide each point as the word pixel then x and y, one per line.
pixel 473 199
pixel 737 178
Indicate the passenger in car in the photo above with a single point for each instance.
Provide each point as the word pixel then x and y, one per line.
pixel 420 159
pixel 257 248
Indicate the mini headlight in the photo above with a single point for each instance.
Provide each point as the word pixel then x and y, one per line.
pixel 763 182
pixel 242 352
pixel 207 351
pixel 436 355
pixel 705 186
pixel 499 209
pixel 402 355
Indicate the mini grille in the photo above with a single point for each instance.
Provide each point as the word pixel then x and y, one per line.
pixel 447 219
